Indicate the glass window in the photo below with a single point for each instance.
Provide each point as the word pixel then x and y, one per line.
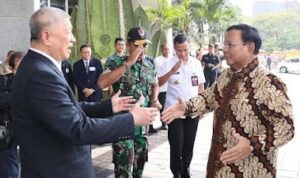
pixel 295 60
pixel 43 3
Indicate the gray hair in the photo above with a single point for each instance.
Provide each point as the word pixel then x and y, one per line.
pixel 43 18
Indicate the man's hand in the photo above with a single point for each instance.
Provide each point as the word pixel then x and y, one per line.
pixel 176 66
pixel 174 111
pixel 121 103
pixel 143 116
pixel 238 152
pixel 134 55
pixel 88 92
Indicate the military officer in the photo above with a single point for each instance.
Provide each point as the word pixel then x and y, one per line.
pixel 134 75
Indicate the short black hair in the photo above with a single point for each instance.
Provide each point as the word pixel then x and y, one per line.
pixel 118 39
pixel 216 45
pixel 84 46
pixel 16 55
pixel 249 35
pixel 181 38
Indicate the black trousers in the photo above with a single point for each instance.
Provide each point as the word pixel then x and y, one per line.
pixel 181 135
pixel 162 99
pixel 210 79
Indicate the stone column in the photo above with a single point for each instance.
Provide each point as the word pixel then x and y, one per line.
pixel 14 25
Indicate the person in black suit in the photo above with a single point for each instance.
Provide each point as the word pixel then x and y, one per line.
pixel 54 130
pixel 9 162
pixel 86 73
pixel 66 68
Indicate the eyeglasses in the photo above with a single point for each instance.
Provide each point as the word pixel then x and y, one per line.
pixel 232 45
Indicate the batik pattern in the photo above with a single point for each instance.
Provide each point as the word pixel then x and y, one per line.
pixel 253 103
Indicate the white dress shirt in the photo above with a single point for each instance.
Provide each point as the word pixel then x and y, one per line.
pixel 158 62
pixel 180 83
pixel 54 61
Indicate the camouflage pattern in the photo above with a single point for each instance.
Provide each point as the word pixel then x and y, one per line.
pixel 130 156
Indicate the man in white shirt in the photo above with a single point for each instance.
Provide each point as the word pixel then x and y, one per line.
pixel 185 78
pixel 158 62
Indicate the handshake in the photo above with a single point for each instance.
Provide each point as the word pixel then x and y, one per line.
pixel 142 116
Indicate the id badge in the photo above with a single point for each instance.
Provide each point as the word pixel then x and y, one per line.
pixel 92 69
pixel 195 81
pixel 67 70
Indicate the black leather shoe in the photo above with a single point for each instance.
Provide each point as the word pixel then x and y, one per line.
pixel 164 127
pixel 177 175
pixel 152 130
pixel 186 174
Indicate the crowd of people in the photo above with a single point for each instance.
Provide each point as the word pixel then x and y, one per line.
pixel 40 113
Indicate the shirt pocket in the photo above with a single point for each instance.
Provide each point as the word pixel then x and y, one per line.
pixel 150 74
pixel 128 81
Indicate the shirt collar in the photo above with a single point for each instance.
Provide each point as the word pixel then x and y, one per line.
pixel 84 61
pixel 247 69
pixel 54 61
pixel 165 58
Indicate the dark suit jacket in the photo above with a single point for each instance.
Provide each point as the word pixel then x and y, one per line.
pixel 66 68
pixel 54 131
pixel 88 80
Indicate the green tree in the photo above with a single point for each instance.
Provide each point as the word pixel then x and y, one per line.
pixel 196 14
pixel 217 14
pixel 163 15
pixel 279 30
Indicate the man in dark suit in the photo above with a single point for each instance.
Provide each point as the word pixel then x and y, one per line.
pixel 66 68
pixel 53 130
pixel 86 73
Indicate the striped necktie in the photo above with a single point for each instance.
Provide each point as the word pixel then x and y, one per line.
pixel 87 67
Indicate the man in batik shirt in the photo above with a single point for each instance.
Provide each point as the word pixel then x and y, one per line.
pixel 134 75
pixel 252 112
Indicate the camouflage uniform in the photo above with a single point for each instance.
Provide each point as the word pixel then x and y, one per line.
pixel 130 156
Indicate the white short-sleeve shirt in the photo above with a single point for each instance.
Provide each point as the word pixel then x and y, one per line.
pixel 185 82
pixel 158 62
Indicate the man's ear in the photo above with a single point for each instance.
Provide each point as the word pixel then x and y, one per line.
pixel 127 44
pixel 251 47
pixel 46 38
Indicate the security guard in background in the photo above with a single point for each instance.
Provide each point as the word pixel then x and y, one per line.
pixel 135 76
pixel 211 63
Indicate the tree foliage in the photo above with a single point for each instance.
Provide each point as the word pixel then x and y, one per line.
pixel 164 14
pixel 217 15
pixel 279 30
pixel 191 16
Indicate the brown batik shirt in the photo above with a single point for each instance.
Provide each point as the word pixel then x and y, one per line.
pixel 253 103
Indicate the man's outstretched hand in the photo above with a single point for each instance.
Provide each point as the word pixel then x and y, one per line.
pixel 143 116
pixel 174 111
pixel 121 103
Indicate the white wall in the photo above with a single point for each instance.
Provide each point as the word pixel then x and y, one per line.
pixel 14 25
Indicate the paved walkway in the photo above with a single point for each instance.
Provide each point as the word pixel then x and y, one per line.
pixel 159 155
